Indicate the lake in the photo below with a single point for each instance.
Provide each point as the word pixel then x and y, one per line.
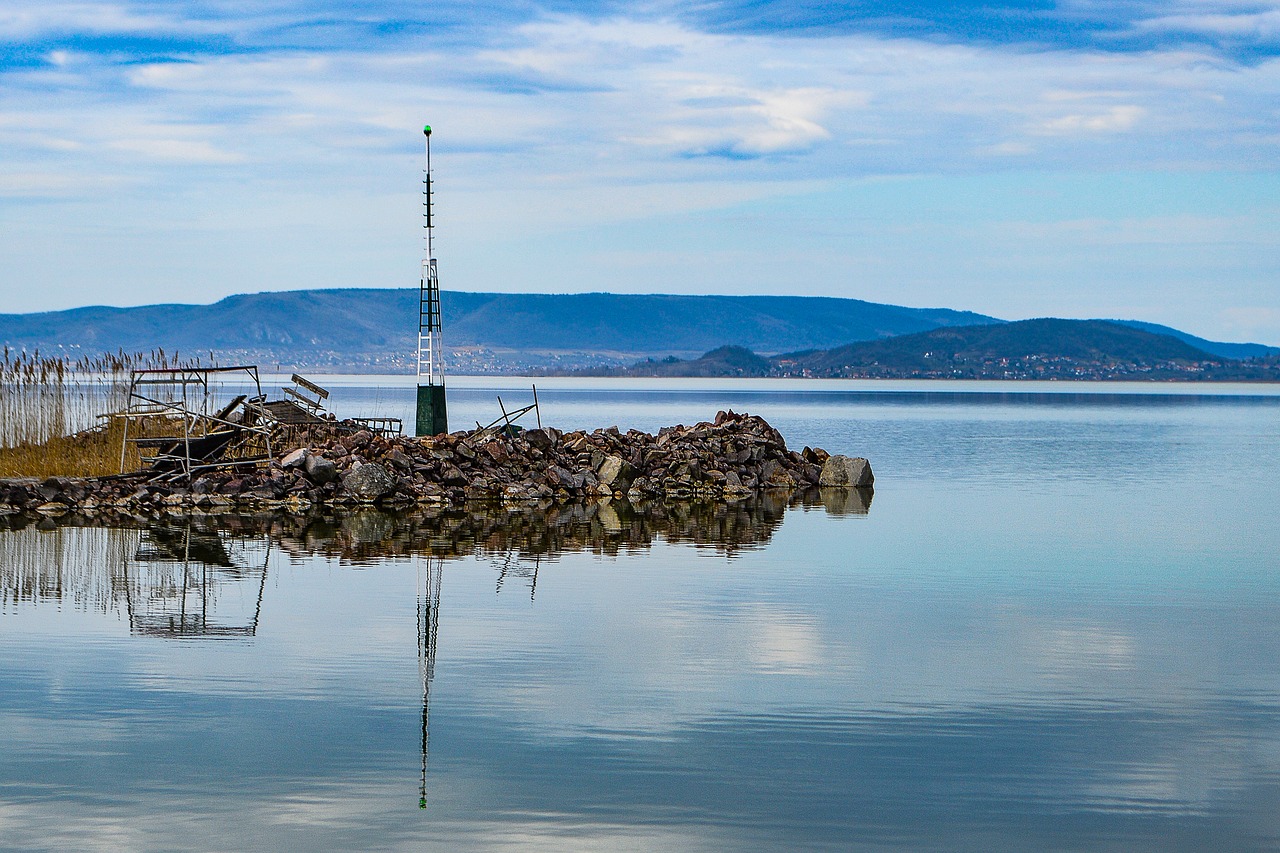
pixel 1054 626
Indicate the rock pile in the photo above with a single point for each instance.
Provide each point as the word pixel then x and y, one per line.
pixel 734 456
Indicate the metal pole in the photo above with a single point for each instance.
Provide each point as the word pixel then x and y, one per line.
pixel 432 417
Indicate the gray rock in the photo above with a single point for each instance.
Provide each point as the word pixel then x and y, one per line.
pixel 368 482
pixel 615 471
pixel 539 438
pixel 846 471
pixel 320 470
pixel 295 459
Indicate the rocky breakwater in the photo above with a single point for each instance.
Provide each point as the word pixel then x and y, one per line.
pixel 730 458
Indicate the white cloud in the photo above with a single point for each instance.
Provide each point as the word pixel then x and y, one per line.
pixel 178 151
pixel 36 19
pixel 1258 25
pixel 1109 120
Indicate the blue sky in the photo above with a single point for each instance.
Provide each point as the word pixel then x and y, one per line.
pixel 1079 158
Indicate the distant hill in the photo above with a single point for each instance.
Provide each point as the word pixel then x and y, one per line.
pixel 361 326
pixel 373 330
pixel 722 361
pixel 1219 348
pixel 1093 341
pixel 1028 349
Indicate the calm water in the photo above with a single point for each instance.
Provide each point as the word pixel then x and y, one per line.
pixel 1054 628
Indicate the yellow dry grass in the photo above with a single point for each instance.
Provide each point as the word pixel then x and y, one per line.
pixel 93 454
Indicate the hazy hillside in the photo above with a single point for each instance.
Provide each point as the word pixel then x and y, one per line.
pixel 383 321
pixel 722 361
pixel 1221 348
pixel 1093 340
pixel 1027 349
pixel 681 324
pixel 374 330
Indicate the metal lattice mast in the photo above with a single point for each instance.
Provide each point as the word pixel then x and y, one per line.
pixel 432 416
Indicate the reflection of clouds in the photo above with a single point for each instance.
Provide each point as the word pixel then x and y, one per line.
pixel 1074 649
pixel 1192 772
pixel 784 643
pixel 350 814
pixel 46 826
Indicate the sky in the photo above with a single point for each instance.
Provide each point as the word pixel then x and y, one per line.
pixel 1018 158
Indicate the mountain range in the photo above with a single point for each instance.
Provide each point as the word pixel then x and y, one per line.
pixel 363 327
pixel 373 329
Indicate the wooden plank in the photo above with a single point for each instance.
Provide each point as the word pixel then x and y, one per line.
pixel 310 386
pixel 303 400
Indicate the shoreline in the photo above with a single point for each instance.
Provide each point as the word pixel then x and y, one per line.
pixel 727 459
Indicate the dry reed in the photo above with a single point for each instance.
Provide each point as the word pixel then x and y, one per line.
pixel 55 412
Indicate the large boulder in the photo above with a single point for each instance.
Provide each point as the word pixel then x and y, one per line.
pixel 319 469
pixel 615 472
pixel 539 438
pixel 846 471
pixel 368 482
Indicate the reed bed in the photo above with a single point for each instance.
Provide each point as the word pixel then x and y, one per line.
pixel 56 412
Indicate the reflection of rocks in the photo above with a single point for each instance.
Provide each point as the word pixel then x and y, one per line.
pixel 846 501
pixel 530 530
pixel 487 529
pixel 126 553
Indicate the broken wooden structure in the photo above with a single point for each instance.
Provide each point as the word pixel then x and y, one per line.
pixel 176 403
pixel 168 418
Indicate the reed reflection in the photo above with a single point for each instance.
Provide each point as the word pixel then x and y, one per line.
pixel 176 578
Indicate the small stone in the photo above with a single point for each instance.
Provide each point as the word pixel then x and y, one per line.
pixel 398 459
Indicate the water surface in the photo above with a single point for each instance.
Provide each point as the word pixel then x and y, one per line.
pixel 1052 627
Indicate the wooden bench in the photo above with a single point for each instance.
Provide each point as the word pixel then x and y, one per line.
pixel 307 394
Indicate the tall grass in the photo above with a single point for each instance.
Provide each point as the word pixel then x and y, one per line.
pixel 55 412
